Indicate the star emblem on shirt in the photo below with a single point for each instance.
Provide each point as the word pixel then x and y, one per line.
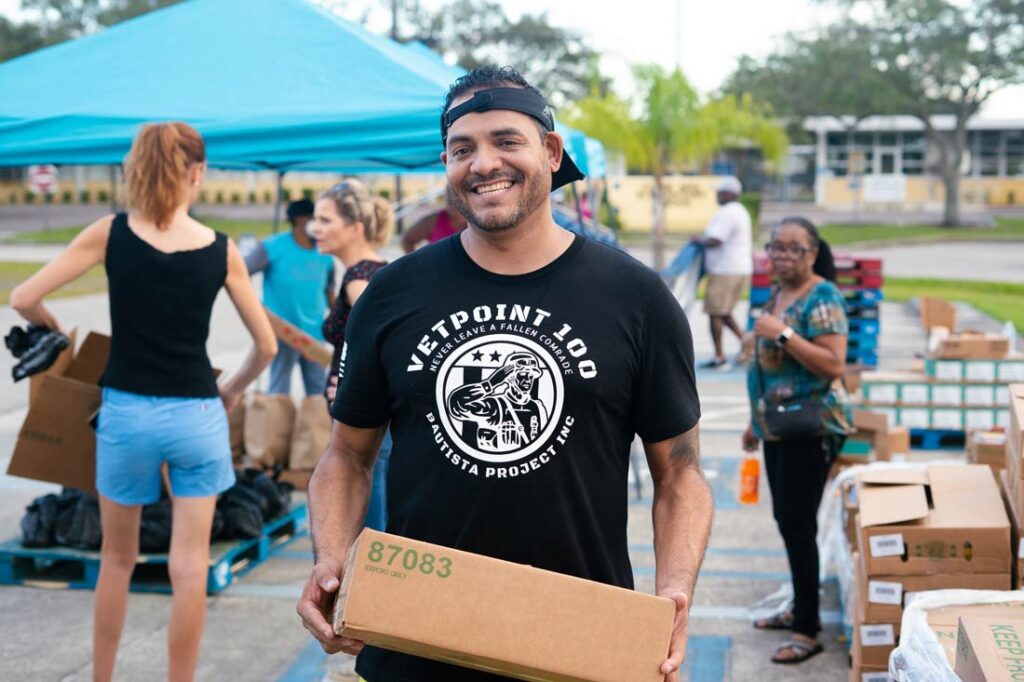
pixel 495 356
pixel 478 356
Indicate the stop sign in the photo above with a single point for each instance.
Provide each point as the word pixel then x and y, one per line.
pixel 42 179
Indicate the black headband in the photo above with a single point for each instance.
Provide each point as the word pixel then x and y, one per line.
pixel 514 99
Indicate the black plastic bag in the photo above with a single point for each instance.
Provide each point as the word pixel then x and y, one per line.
pixel 155 527
pixel 242 509
pixel 78 525
pixel 276 497
pixel 37 523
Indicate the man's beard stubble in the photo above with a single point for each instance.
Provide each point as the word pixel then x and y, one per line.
pixel 534 194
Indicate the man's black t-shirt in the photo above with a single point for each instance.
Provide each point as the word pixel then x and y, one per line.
pixel 513 401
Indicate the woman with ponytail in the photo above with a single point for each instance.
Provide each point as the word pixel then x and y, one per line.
pixel 800 410
pixel 161 403
pixel 351 224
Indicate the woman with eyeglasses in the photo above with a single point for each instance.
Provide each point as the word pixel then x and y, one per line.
pixel 351 224
pixel 800 410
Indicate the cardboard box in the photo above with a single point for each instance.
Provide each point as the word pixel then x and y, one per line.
pixel 497 616
pixel 881 598
pixel 299 479
pixel 987 447
pixel 862 673
pixel 886 440
pixel 990 649
pixel 56 442
pixel 872 644
pixel 58 368
pixel 870 420
pixel 937 312
pixel 947 519
pixel 308 347
pixel 1015 432
pixel 1007 487
pixel 971 345
pixel 944 621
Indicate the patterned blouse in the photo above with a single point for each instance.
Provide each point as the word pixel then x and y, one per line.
pixel 334 325
pixel 821 311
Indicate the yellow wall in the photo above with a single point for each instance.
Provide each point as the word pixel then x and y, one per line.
pixel 925 191
pixel 412 185
pixel 690 202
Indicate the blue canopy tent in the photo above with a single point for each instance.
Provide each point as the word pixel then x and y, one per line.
pixel 271 84
pixel 277 84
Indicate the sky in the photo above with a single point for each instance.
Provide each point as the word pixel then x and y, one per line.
pixel 706 38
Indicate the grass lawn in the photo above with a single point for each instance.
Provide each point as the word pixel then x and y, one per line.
pixel 232 228
pixel 1005 229
pixel 12 274
pixel 1001 300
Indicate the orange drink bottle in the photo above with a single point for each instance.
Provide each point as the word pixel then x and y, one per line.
pixel 750 472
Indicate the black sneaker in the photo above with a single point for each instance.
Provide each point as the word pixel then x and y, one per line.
pixel 713 363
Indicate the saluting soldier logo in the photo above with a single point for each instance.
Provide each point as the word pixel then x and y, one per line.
pixel 498 397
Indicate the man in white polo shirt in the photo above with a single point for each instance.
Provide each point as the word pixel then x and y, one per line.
pixel 728 260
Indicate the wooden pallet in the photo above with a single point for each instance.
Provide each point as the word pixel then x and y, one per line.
pixel 67 568
pixel 937 439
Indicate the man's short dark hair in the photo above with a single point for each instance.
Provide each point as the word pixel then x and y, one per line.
pixel 486 77
pixel 299 207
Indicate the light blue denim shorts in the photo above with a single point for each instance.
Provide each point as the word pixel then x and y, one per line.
pixel 138 433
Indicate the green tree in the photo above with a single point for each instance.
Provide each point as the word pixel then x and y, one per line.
pixel 924 58
pixel 668 127
pixel 833 72
pixel 478 32
pixel 17 39
pixel 55 21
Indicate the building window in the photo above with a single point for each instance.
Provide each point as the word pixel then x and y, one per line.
pixel 1015 153
pixel 988 152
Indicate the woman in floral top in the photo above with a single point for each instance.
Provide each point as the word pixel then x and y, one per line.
pixel 799 352
pixel 351 224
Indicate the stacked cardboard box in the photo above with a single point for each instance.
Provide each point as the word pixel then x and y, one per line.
pixel 945 624
pixel 953 395
pixel 937 528
pixel 989 649
pixel 1012 478
pixel 987 447
pixel 876 436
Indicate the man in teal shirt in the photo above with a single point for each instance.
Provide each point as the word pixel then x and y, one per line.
pixel 298 287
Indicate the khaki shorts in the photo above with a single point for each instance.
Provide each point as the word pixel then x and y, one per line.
pixel 723 292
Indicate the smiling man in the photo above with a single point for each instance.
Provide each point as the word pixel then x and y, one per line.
pixel 514 362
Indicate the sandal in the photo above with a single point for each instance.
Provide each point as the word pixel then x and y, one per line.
pixel 779 621
pixel 801 651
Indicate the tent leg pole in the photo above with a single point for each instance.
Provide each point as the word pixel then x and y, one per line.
pixel 277 200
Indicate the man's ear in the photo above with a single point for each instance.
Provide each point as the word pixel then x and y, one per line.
pixel 555 146
pixel 444 158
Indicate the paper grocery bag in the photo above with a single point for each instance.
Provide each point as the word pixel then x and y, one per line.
pixel 236 427
pixel 268 428
pixel 312 431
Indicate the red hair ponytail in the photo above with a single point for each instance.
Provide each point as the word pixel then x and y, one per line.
pixel 156 168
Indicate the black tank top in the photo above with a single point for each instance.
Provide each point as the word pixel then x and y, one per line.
pixel 160 306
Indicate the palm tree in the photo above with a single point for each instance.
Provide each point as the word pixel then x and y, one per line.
pixel 671 128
